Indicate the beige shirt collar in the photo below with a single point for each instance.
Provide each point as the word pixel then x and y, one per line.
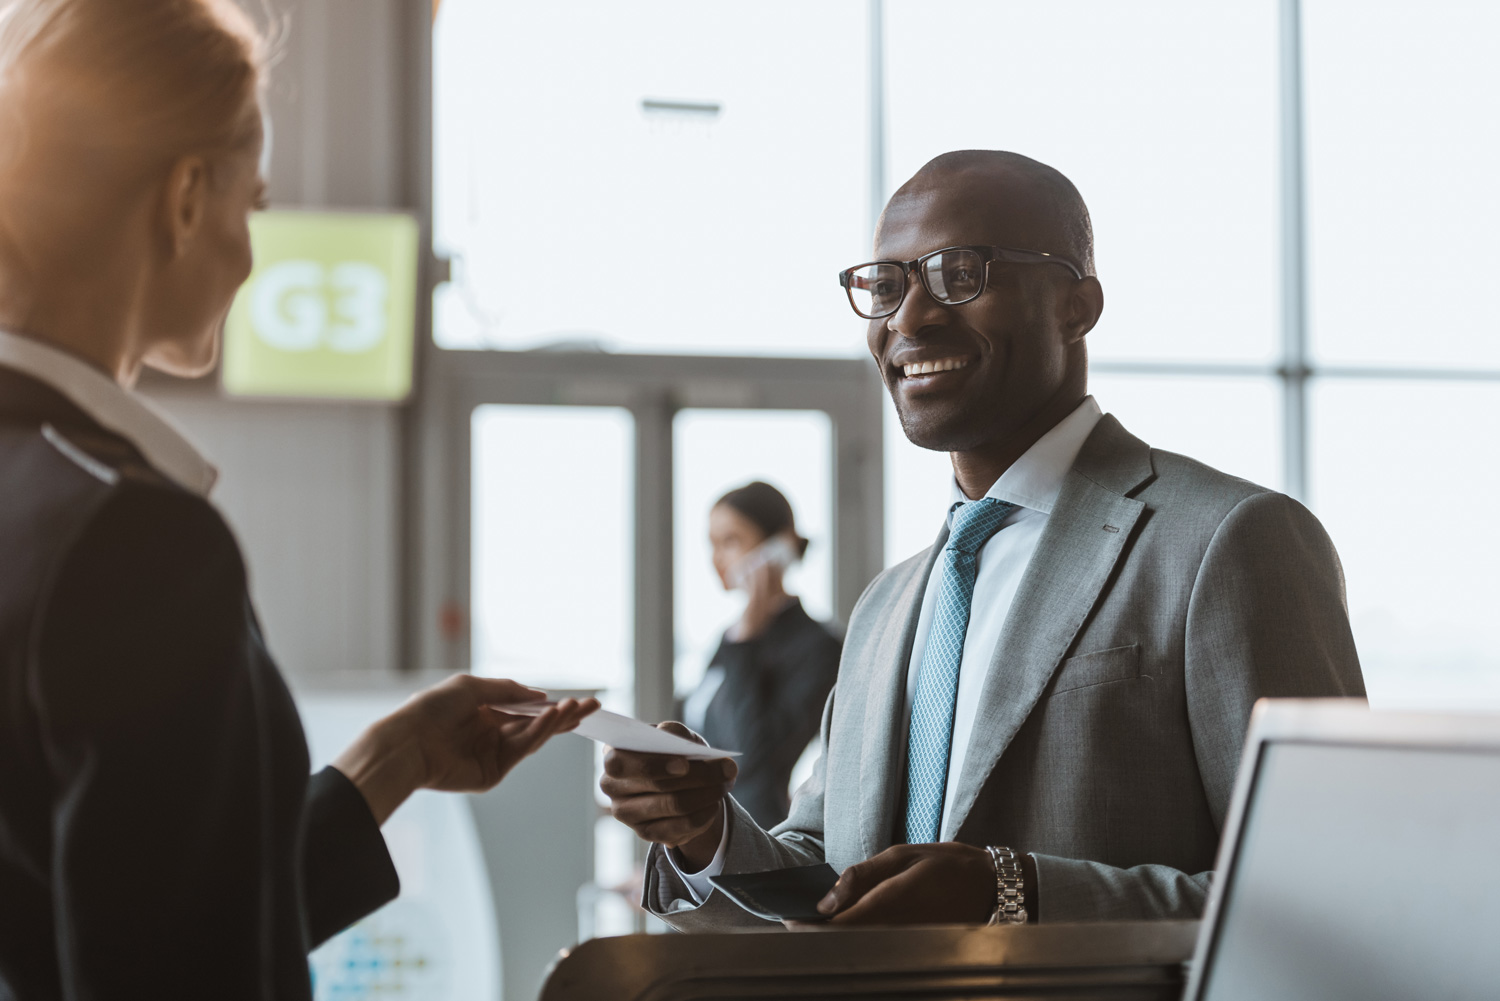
pixel 114 407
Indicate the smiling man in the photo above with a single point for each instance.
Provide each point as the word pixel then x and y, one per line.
pixel 1039 717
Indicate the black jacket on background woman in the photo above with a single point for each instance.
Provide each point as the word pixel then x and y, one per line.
pixel 770 705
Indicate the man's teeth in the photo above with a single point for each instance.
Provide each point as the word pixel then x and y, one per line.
pixel 928 367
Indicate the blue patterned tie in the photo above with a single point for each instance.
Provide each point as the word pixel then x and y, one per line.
pixel 930 739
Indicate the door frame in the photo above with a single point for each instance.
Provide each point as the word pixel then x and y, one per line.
pixel 653 388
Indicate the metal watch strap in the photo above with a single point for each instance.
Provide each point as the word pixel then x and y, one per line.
pixel 1010 888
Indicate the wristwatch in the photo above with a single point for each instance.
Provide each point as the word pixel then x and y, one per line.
pixel 1010 888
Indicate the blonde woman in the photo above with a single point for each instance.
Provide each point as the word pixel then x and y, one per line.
pixel 159 834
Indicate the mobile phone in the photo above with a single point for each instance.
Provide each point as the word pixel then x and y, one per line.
pixel 776 551
pixel 781 894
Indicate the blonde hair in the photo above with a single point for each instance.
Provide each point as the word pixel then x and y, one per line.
pixel 144 80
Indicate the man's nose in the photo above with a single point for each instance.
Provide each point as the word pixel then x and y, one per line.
pixel 917 312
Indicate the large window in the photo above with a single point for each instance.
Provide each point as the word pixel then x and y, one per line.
pixel 660 175
pixel 1402 155
pixel 1293 207
pixel 1164 115
pixel 1293 204
pixel 1161 112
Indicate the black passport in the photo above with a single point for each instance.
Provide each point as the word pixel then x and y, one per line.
pixel 781 894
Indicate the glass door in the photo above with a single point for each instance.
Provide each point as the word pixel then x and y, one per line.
pixel 552 556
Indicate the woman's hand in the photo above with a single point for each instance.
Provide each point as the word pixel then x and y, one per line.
pixel 451 737
pixel 767 599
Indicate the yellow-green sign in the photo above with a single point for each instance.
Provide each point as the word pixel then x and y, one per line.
pixel 329 309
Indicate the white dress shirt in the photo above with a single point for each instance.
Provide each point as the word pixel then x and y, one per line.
pixel 1032 483
pixel 114 407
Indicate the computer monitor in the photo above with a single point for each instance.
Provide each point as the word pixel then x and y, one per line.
pixel 1360 860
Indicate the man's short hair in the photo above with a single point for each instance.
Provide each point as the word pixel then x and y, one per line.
pixel 1045 183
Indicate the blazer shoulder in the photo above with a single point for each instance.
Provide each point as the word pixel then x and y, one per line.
pixel 145 523
pixel 1228 514
pixel 1266 516
pixel 91 502
pixel 1186 483
pixel 1119 461
pixel 55 479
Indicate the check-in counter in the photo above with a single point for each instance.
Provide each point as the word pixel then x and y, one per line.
pixel 1141 961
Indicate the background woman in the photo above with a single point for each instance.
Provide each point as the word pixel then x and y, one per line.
pixel 159 833
pixel 764 690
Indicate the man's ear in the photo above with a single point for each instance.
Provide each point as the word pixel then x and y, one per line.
pixel 1085 305
pixel 185 204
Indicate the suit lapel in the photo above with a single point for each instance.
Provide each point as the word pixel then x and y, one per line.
pixel 1085 536
pixel 883 748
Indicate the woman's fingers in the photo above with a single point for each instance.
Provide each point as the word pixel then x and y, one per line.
pixel 581 710
pixel 541 728
pixel 527 738
pixel 500 691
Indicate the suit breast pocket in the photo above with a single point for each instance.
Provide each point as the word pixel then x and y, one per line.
pixel 1086 670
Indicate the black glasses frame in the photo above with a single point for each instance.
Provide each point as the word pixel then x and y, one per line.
pixel 1006 255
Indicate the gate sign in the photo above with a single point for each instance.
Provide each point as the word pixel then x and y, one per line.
pixel 329 309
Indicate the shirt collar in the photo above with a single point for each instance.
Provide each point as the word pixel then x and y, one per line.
pixel 1035 479
pixel 114 407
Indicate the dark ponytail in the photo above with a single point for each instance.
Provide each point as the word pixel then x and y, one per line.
pixel 767 508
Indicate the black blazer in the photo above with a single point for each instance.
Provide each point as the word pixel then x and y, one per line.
pixel 159 834
pixel 770 704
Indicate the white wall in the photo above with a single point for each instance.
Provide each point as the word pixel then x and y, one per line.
pixel 313 489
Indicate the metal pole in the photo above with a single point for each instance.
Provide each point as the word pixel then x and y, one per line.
pixel 1294 353
pixel 877 112
pixel 654 626
pixel 421 523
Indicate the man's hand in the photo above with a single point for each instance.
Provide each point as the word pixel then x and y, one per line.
pixel 672 801
pixel 452 737
pixel 946 883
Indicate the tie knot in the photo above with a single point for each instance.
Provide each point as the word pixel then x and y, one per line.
pixel 975 521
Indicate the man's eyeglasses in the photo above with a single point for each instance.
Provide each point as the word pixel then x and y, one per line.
pixel 951 276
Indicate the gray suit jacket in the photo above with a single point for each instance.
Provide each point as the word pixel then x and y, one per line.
pixel 1164 598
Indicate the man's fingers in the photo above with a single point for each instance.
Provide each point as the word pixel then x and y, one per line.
pixel 670 818
pixel 860 879
pixel 678 730
pixel 850 887
pixel 623 789
pixel 634 765
pixel 643 772
pixel 636 810
pixel 880 904
pixel 674 831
